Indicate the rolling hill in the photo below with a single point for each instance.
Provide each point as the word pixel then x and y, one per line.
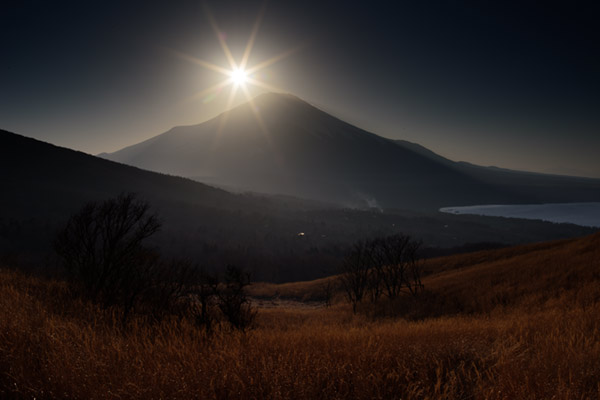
pixel 516 323
pixel 540 274
pixel 34 172
pixel 278 143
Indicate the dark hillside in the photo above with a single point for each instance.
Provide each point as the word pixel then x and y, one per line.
pixel 44 184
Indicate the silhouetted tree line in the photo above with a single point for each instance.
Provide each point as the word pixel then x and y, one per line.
pixel 382 267
pixel 102 251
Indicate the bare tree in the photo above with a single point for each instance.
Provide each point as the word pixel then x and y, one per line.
pixel 233 301
pixel 383 266
pixel 414 268
pixel 397 266
pixel 356 272
pixel 204 295
pixel 328 288
pixel 376 273
pixel 101 248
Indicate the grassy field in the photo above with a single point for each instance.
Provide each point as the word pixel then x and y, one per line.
pixel 515 323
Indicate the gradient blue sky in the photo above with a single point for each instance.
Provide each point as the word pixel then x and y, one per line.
pixel 514 85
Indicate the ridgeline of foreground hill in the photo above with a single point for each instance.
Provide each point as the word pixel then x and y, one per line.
pixel 516 323
pixel 481 281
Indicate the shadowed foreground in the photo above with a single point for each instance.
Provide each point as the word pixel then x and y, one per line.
pixel 518 323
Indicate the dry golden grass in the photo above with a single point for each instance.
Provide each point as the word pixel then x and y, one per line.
pixel 302 291
pixel 525 326
pixel 314 290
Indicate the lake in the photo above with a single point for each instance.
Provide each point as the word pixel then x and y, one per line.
pixel 584 214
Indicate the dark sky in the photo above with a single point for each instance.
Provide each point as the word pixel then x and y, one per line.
pixel 515 85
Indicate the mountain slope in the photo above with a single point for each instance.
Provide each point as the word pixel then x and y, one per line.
pixel 35 172
pixel 533 186
pixel 280 144
pixel 297 149
pixel 42 185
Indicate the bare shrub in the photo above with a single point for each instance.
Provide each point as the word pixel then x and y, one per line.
pixel 386 266
pixel 356 272
pixel 328 288
pixel 204 300
pixel 233 300
pixel 168 288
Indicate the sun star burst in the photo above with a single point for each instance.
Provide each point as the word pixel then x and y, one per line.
pixel 237 75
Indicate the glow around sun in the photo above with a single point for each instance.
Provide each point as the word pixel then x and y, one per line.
pixel 238 75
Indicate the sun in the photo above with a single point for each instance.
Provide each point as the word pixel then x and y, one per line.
pixel 238 76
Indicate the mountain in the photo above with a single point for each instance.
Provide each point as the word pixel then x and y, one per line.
pixel 43 184
pixel 535 187
pixel 278 143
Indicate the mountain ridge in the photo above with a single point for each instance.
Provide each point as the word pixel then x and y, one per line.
pixel 278 143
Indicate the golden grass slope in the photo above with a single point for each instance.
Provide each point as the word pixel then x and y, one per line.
pixel 520 323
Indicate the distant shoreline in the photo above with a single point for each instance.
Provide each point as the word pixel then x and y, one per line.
pixel 583 214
